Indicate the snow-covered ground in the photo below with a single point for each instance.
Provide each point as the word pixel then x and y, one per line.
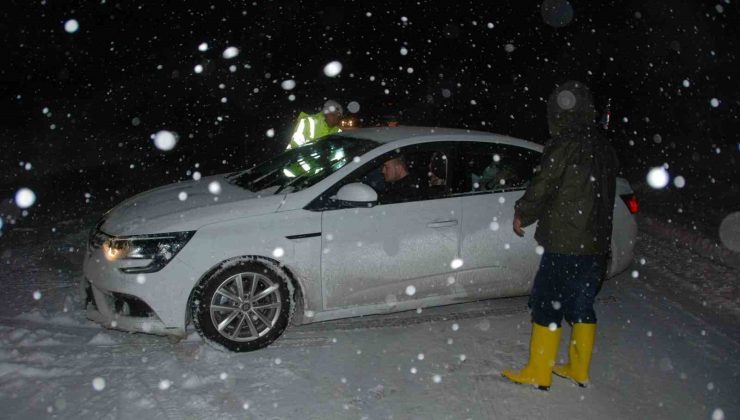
pixel 667 347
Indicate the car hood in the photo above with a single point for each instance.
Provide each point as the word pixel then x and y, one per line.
pixel 167 209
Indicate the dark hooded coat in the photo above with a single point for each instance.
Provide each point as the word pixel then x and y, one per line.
pixel 572 195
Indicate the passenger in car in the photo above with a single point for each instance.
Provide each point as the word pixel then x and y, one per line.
pixel 400 183
pixel 437 170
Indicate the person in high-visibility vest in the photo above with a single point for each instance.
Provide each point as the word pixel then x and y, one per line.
pixel 310 128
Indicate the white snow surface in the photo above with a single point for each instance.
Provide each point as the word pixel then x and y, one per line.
pixel 666 347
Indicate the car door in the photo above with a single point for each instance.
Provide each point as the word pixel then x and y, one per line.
pixel 492 177
pixel 396 250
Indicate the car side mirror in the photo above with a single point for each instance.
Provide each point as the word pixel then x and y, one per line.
pixel 356 194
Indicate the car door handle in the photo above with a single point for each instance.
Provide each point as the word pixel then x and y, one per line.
pixel 442 223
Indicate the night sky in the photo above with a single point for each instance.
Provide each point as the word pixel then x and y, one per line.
pixel 128 71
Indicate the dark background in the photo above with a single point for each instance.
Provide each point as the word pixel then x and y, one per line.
pixel 128 73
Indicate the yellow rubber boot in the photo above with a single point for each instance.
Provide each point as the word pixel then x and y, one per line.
pixel 543 348
pixel 579 354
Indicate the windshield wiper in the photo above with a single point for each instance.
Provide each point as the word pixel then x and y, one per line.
pixel 248 185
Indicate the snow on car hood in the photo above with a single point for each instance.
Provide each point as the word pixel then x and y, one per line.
pixel 167 209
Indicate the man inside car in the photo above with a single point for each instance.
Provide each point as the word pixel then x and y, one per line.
pixel 400 183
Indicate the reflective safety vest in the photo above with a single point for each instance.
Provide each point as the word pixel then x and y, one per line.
pixel 309 128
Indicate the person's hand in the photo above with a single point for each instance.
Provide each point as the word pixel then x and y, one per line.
pixel 518 224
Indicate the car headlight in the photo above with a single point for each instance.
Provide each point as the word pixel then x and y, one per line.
pixel 157 249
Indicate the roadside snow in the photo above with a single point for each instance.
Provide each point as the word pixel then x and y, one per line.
pixel 654 356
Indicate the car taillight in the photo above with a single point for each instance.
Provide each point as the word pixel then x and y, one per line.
pixel 631 201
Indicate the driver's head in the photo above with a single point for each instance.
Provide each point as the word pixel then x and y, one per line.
pixel 394 169
pixel 332 113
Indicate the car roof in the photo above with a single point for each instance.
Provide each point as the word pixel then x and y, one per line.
pixel 385 135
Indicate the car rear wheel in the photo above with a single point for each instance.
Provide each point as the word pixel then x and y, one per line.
pixel 243 306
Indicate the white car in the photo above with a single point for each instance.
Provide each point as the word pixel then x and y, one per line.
pixel 310 235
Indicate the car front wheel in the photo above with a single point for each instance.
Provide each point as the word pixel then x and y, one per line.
pixel 243 305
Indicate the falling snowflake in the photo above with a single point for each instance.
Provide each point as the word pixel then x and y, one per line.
pixel 679 181
pixel 203 47
pixel 198 69
pixel 230 52
pixel 182 196
pixel 25 198
pixel 333 69
pixel 165 140
pixel 566 100
pixel 657 177
pixel 98 384
pixel 270 133
pixel 278 252
pixel 214 187
pixel 410 290
pixel 71 26
pixel 353 107
pixel 729 231
pixel 288 84
pixel 557 13
pixel 456 263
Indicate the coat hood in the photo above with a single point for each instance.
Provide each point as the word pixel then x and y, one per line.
pixel 570 108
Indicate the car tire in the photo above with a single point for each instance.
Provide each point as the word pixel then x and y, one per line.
pixel 245 318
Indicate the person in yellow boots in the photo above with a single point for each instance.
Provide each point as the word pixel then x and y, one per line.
pixel 572 199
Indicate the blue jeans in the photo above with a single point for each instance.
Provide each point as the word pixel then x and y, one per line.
pixel 566 286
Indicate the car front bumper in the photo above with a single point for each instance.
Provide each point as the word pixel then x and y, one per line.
pixel 154 303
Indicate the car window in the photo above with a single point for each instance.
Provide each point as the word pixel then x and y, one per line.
pixel 429 170
pixel 428 166
pixel 495 167
pixel 302 167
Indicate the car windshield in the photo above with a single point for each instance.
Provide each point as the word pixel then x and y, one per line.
pixel 302 167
